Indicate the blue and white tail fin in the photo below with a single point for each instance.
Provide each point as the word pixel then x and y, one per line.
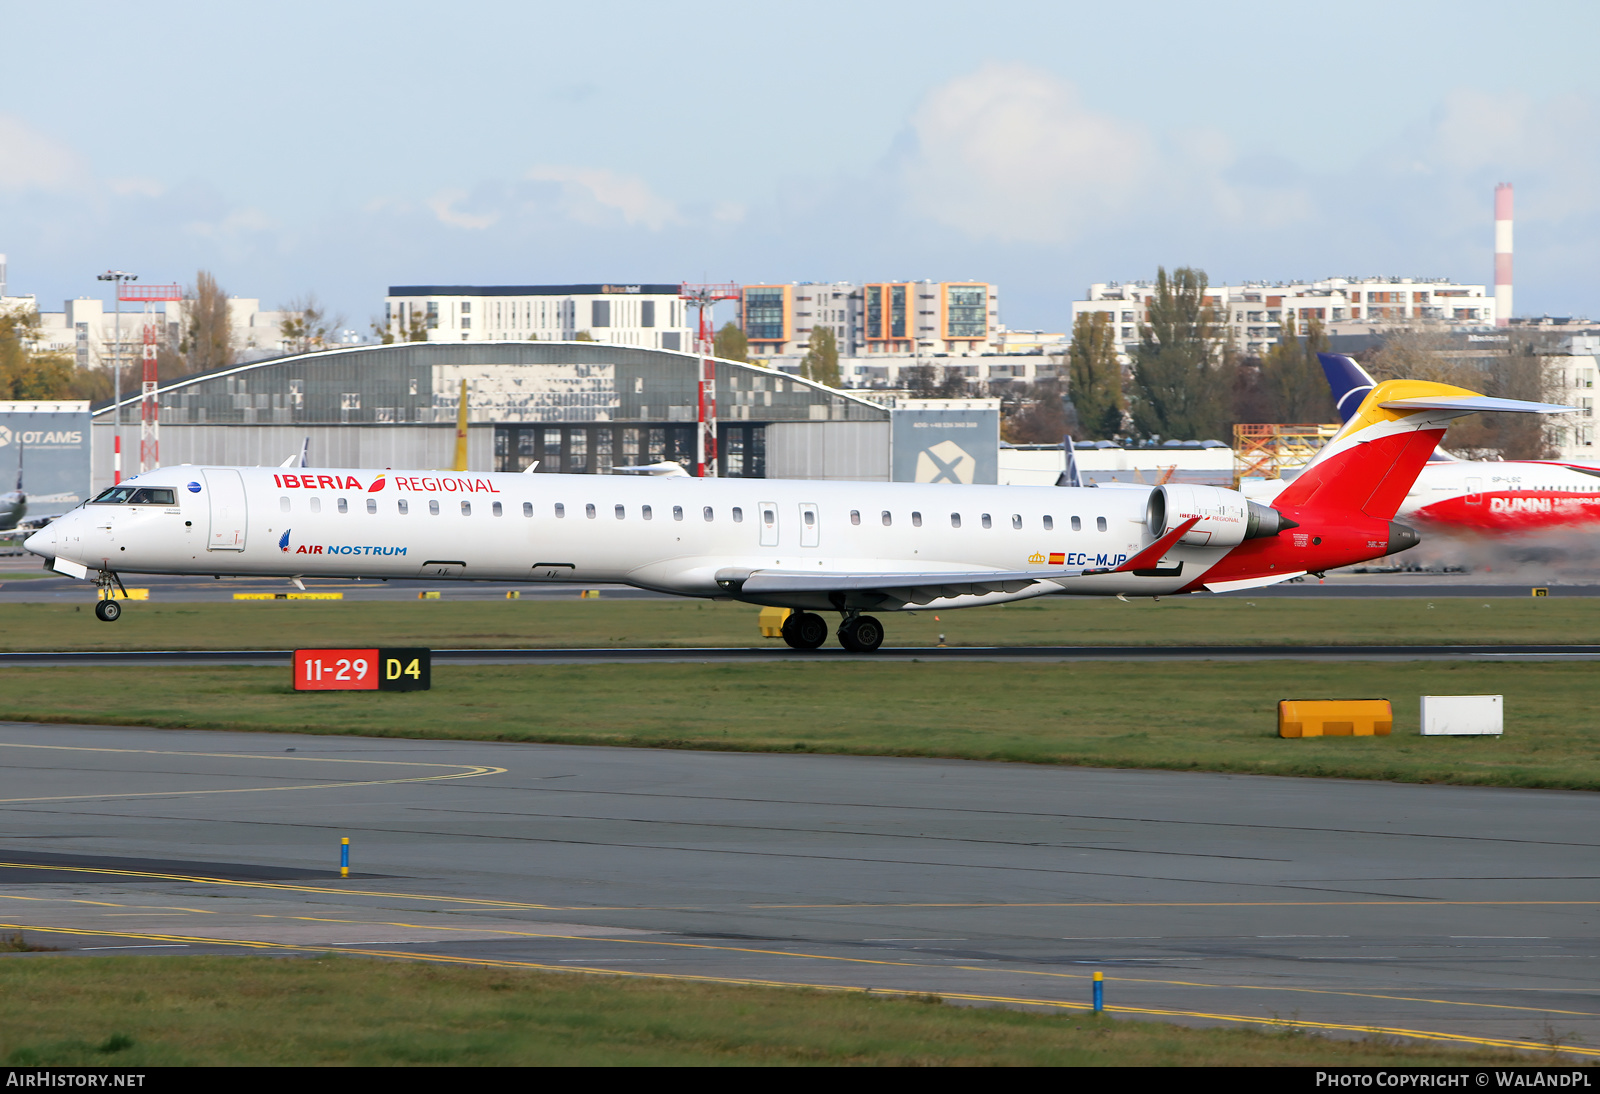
pixel 1071 476
pixel 1349 383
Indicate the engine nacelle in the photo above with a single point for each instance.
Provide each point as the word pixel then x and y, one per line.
pixel 1227 517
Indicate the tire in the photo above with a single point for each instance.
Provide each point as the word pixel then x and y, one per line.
pixel 805 630
pixel 863 634
pixel 107 610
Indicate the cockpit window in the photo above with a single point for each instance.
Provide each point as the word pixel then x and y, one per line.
pixel 136 495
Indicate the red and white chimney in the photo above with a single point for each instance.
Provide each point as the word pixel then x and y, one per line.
pixel 1502 254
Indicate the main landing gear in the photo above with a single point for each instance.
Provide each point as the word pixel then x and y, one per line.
pixel 808 630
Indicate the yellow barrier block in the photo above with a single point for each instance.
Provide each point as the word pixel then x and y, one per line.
pixel 589 594
pixel 428 596
pixel 288 596
pixel 1334 718
pixel 119 594
pixel 771 620
pixel 513 594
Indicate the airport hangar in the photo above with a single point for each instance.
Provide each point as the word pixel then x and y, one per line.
pixel 575 407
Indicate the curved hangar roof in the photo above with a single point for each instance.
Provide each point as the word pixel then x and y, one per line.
pixel 507 382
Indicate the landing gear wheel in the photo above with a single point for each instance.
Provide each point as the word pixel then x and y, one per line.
pixel 863 634
pixel 805 630
pixel 107 610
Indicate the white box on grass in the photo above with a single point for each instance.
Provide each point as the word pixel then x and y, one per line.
pixel 1462 715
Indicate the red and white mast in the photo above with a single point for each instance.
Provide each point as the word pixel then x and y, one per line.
pixel 1502 255
pixel 702 298
pixel 149 406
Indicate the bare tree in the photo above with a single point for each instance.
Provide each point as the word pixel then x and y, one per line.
pixel 306 325
pixel 206 341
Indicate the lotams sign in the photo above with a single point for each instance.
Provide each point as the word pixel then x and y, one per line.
pixel 47 446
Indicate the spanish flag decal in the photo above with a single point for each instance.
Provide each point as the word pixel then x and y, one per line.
pixel 1058 558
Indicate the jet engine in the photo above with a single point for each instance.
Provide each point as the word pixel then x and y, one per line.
pixel 1227 518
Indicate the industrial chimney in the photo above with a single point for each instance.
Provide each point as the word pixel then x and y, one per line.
pixel 1502 254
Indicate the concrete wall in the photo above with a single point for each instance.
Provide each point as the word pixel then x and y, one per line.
pixel 401 446
pixel 828 450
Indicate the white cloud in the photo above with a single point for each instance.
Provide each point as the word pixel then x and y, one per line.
pixel 443 206
pixel 31 160
pixel 1009 152
pixel 596 196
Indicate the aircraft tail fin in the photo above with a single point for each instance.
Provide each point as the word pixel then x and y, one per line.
pixel 1372 462
pixel 1071 476
pixel 1348 382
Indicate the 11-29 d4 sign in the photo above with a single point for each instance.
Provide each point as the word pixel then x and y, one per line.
pixel 362 670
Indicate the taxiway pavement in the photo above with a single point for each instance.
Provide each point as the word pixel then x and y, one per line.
pixel 1464 913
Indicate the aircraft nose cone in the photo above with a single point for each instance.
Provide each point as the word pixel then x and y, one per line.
pixel 41 542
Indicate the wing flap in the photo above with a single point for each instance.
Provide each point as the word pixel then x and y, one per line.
pixel 917 588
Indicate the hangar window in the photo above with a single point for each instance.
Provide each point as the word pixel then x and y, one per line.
pixel 855 516
pixel 677 512
pixel 1049 524
pixel 708 514
pixel 588 510
pixel 497 510
pixel 621 512
pixel 1016 520
pixel 527 508
pixel 466 508
pixel 1077 525
pixel 283 505
pixel 404 506
pixel 561 510
pixel 988 521
pixel 433 507
pixel 916 520
pixel 372 505
pixel 316 505
pixel 344 505
pixel 1100 524
pixel 955 520
pixel 738 515
pixel 887 519
pixel 645 512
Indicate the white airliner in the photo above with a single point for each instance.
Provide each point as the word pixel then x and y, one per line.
pixel 850 547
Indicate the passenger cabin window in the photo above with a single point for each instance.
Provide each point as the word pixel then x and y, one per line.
pixel 1016 520
pixel 135 495
pixel 811 517
pixel 645 512
pixel 372 505
pixel 466 508
pixel 887 519
pixel 916 520
pixel 955 520
pixel 588 510
pixel 1049 524
pixel 527 508
pixel 495 509
pixel 433 507
pixel 738 515
pixel 855 516
pixel 316 505
pixel 283 505
pixel 1077 525
pixel 987 523
pixel 1100 524
pixel 344 505
pixel 707 513
pixel 561 510
pixel 404 506
pixel 769 516
pixel 677 512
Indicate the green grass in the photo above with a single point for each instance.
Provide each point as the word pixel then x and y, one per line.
pixel 443 624
pixel 1212 716
pixel 135 1012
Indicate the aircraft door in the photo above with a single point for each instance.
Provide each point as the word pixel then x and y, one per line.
pixel 769 523
pixel 229 516
pixel 810 525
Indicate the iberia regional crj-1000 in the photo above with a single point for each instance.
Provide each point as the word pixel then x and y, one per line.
pixel 846 547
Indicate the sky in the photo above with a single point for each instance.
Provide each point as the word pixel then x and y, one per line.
pixel 337 149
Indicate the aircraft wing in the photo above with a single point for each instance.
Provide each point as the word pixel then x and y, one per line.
pixel 916 588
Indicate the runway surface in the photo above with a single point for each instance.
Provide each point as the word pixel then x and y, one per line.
pixel 771 654
pixel 1458 913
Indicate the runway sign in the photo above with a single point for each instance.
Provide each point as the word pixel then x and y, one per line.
pixel 1463 715
pixel 400 669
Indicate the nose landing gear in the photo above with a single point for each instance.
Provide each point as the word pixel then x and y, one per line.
pixel 107 611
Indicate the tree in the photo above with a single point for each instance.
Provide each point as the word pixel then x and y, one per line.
pixel 207 338
pixel 416 331
pixel 306 325
pixel 583 336
pixel 1095 375
pixel 27 374
pixel 1035 414
pixel 1182 382
pixel 1293 378
pixel 731 344
pixel 821 362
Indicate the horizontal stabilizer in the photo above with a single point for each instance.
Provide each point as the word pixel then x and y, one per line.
pixel 1472 404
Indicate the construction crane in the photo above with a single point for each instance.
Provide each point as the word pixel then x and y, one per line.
pixel 149 407
pixel 703 298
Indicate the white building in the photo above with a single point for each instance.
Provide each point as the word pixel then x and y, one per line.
pixel 87 328
pixel 1254 313
pixel 1570 379
pixel 648 316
